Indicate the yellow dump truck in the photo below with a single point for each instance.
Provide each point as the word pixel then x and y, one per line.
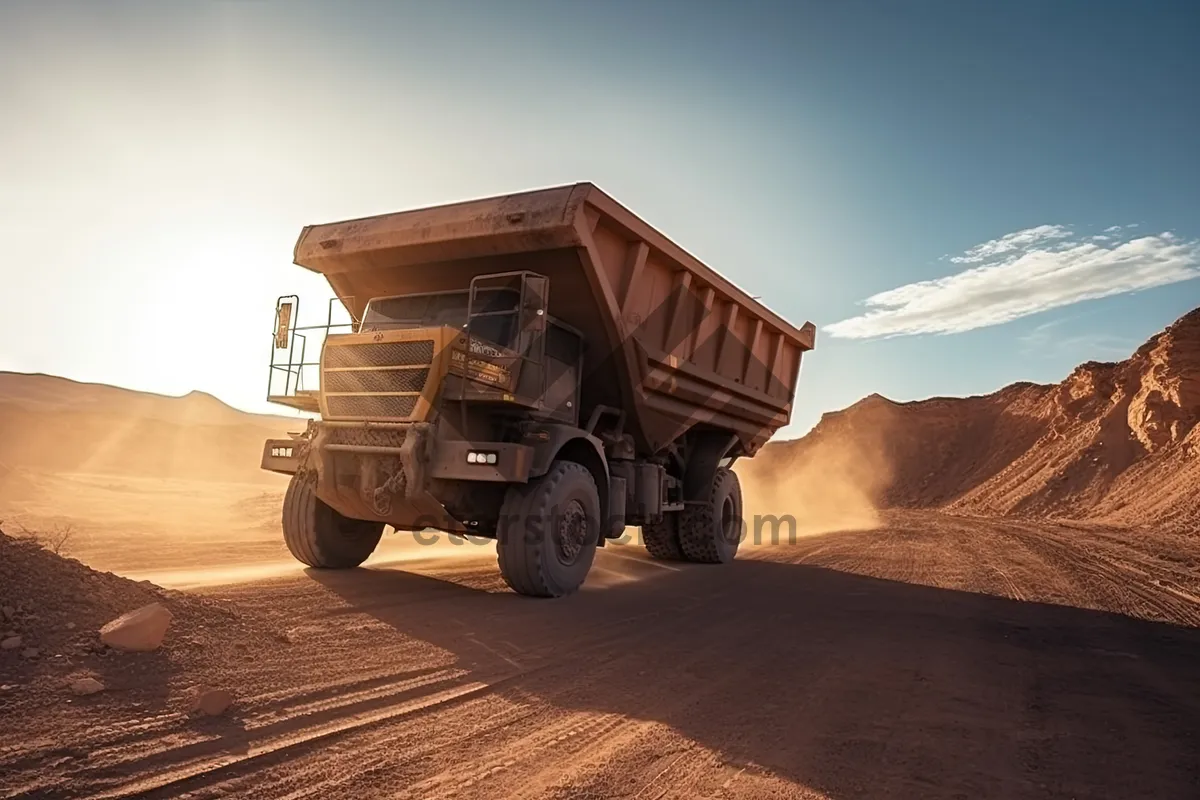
pixel 542 369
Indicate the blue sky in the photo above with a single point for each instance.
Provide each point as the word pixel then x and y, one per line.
pixel 157 163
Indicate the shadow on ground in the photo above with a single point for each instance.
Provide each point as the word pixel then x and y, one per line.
pixel 851 685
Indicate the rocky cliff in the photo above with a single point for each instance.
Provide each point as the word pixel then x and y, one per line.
pixel 1117 442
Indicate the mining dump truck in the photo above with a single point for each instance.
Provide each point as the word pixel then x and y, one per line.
pixel 543 369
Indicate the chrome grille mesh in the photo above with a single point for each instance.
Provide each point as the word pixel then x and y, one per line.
pixel 384 380
pixel 371 406
pixel 379 354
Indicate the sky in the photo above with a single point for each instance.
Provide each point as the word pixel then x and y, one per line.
pixel 958 194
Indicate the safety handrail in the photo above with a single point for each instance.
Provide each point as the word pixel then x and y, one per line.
pixel 294 368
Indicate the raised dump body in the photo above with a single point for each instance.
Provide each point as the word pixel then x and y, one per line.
pixel 502 347
pixel 667 338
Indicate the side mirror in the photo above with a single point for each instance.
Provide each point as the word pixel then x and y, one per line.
pixel 283 322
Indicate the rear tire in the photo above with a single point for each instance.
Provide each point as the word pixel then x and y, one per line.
pixel 321 537
pixel 710 532
pixel 548 530
pixel 661 539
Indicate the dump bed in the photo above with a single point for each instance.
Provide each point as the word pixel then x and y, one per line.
pixel 668 340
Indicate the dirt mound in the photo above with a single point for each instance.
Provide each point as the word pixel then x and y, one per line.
pixel 59 425
pixel 56 606
pixel 1113 441
pixel 40 392
pixel 880 453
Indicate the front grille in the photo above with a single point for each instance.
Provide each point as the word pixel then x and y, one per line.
pixel 375 380
pixel 379 354
pixel 367 437
pixel 371 405
pixel 391 380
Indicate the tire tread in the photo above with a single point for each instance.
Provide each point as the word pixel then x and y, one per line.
pixel 521 536
pixel 699 528
pixel 661 539
pixel 311 530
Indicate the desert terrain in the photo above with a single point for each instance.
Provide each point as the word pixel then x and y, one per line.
pixel 995 596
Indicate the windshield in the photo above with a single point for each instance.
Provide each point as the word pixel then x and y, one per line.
pixel 495 309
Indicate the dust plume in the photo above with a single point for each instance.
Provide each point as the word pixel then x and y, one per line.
pixel 819 485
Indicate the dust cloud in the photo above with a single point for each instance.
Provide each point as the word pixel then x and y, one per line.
pixel 396 548
pixel 821 487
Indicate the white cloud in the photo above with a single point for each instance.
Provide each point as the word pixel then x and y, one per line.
pixel 1023 273
pixel 1011 243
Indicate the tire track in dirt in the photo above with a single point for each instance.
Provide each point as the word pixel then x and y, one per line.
pixel 649 761
pixel 525 763
pixel 372 762
pixel 1112 582
pixel 270 744
pixel 130 741
pixel 281 726
pixel 546 747
pixel 123 768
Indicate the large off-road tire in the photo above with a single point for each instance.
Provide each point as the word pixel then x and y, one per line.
pixel 710 532
pixel 321 537
pixel 661 539
pixel 548 530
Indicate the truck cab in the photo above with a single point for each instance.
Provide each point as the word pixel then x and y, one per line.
pixel 520 356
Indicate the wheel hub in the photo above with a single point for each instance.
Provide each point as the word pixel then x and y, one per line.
pixel 572 532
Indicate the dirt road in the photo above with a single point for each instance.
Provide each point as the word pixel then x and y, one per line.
pixel 935 657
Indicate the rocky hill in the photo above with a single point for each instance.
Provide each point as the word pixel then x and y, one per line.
pixel 1117 442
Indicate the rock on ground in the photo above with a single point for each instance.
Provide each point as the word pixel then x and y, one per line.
pixel 209 701
pixel 140 630
pixel 85 686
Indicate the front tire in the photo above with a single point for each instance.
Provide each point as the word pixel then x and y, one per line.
pixel 321 537
pixel 710 532
pixel 548 530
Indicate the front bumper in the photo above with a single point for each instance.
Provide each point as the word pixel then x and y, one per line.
pixel 394 472
pixel 421 455
pixel 283 455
